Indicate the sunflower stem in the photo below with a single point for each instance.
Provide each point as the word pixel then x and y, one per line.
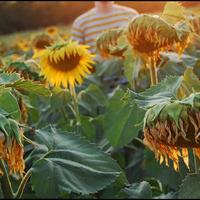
pixel 22 185
pixel 153 74
pixel 76 108
pixel 5 182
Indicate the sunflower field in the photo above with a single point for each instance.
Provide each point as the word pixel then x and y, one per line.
pixel 127 126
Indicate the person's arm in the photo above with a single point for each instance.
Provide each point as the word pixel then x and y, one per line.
pixel 77 33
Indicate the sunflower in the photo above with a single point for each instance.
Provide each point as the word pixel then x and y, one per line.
pixel 39 43
pixel 12 151
pixel 150 35
pixel 106 43
pixel 23 45
pixel 65 36
pixel 51 30
pixel 174 130
pixel 66 64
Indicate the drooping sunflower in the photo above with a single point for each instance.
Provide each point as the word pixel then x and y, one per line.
pixel 174 130
pixel 52 30
pixel 106 43
pixel 151 34
pixel 66 64
pixel 12 150
pixel 40 42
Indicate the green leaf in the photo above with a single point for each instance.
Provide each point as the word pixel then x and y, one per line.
pixel 190 82
pixel 6 78
pixel 92 99
pixel 30 86
pixel 9 104
pixel 112 191
pixel 140 190
pixel 88 128
pixel 166 175
pixel 160 93
pixel 68 163
pixel 132 65
pixel 189 188
pixel 5 125
pixel 122 120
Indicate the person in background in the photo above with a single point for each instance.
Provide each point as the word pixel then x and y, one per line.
pixel 105 15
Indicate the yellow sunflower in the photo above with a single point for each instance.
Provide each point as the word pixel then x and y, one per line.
pixel 51 30
pixel 23 44
pixel 39 43
pixel 66 64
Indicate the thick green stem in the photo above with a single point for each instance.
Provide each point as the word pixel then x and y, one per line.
pixel 5 182
pixel 76 108
pixel 153 74
pixel 22 185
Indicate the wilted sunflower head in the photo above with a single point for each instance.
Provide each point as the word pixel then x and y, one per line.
pixel 66 64
pixel 51 30
pixel 174 129
pixel 40 42
pixel 106 43
pixel 150 35
pixel 12 150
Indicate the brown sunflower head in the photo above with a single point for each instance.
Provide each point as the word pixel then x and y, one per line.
pixel 106 43
pixel 175 129
pixel 12 151
pixel 149 35
pixel 42 41
pixel 51 30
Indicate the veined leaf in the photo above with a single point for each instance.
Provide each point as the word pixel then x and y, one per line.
pixel 9 104
pixel 122 120
pixel 140 190
pixel 160 93
pixel 68 163
pixel 33 87
pixel 190 83
pixel 6 78
pixel 190 187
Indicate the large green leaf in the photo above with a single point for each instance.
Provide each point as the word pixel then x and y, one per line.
pixel 6 78
pixel 30 86
pixel 140 190
pixel 14 80
pixel 190 83
pixel 132 65
pixel 92 100
pixel 9 104
pixel 190 187
pixel 172 64
pixel 68 163
pixel 166 175
pixel 122 120
pixel 160 93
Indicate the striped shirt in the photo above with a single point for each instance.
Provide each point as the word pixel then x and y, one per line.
pixel 89 25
